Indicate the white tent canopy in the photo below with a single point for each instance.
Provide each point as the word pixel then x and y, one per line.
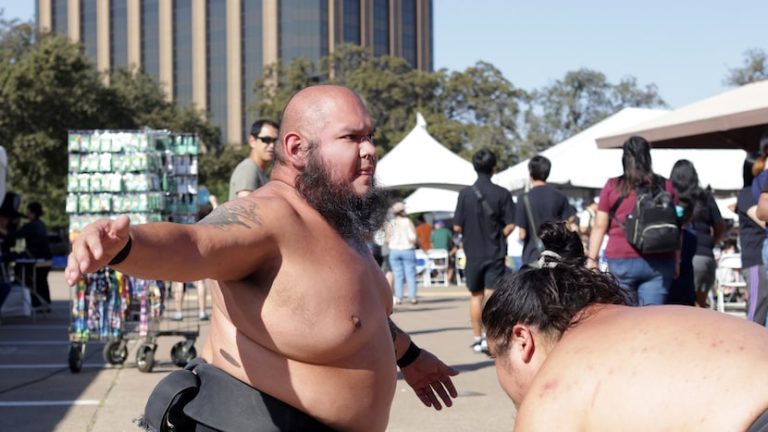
pixel 419 160
pixel 578 161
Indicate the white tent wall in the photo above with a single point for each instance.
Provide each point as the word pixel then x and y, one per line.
pixel 578 163
pixel 419 160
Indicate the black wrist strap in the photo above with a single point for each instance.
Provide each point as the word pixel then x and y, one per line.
pixel 123 254
pixel 410 355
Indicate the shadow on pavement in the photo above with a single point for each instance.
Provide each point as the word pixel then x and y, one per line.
pixel 468 367
pixel 438 330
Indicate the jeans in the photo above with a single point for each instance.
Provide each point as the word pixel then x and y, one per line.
pixel 647 278
pixel 403 264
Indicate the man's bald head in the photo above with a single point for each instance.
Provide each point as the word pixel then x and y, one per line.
pixel 310 109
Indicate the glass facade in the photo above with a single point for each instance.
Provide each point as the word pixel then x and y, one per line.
pixel 182 51
pixel 380 27
pixel 118 34
pixel 352 21
pixel 252 56
pixel 88 21
pixel 150 38
pixel 303 30
pixel 409 31
pixel 216 68
pixel 59 16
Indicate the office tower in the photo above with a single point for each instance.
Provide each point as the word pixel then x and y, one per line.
pixel 210 52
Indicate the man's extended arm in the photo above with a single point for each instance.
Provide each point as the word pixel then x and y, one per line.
pixel 424 372
pixel 226 245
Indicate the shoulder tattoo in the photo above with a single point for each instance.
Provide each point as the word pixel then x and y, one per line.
pixel 243 213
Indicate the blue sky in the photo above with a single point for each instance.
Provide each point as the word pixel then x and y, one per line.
pixel 685 47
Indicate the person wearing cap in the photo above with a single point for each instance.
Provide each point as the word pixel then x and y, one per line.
pixel 251 173
pixel 401 239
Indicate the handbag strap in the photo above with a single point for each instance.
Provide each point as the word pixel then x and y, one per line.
pixel 486 207
pixel 534 228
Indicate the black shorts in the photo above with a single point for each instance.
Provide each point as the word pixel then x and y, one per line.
pixel 482 275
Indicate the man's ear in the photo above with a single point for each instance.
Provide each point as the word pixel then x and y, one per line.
pixel 294 150
pixel 523 342
pixel 251 141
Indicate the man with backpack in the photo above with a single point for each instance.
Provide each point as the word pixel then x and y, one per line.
pixel 638 212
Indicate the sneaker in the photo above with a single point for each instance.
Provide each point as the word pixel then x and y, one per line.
pixel 414 301
pixel 481 346
pixel 397 301
pixel 177 317
pixel 484 347
pixel 203 316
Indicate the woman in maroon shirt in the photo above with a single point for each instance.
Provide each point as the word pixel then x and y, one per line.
pixel 647 276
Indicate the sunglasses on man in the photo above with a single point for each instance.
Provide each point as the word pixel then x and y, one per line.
pixel 267 139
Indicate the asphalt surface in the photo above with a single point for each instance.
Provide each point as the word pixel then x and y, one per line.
pixel 39 393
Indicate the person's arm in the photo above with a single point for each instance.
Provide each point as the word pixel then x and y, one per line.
pixel 762 207
pixel 424 372
pixel 752 213
pixel 599 228
pixel 507 230
pixel 521 233
pixel 228 244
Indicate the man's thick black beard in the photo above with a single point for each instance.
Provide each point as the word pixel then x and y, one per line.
pixel 354 217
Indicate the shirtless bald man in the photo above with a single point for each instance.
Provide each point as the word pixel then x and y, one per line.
pixel 572 355
pixel 302 312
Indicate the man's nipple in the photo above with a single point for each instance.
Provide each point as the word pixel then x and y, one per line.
pixel 356 322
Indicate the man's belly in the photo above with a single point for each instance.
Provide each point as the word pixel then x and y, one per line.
pixel 353 393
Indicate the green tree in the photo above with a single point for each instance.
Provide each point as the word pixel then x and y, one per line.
pixel 464 110
pixel 48 86
pixel 754 67
pixel 578 101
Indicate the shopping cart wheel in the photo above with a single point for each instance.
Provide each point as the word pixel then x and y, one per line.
pixel 183 352
pixel 76 357
pixel 115 352
pixel 145 358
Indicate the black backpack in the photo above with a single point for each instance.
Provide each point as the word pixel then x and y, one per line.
pixel 653 225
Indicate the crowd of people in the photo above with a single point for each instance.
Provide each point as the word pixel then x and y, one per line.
pixel 324 328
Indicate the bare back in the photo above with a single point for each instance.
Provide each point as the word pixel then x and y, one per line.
pixel 309 327
pixel 653 368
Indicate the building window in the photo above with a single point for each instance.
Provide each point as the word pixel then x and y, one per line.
pixel 118 34
pixel 253 57
pixel 352 21
pixel 182 52
pixel 303 30
pixel 409 31
pixel 216 46
pixel 88 32
pixel 150 38
pixel 59 16
pixel 381 27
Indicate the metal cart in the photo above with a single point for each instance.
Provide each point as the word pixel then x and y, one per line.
pixel 114 308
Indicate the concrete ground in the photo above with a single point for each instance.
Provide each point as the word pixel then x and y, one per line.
pixel 39 393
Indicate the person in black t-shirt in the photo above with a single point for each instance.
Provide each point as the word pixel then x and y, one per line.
pixel 547 204
pixel 485 216
pixel 751 236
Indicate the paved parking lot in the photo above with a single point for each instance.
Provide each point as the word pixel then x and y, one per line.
pixel 39 393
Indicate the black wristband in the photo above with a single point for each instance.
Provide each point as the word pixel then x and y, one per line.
pixel 410 355
pixel 123 254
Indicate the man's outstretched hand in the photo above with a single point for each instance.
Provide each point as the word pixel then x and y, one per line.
pixel 96 245
pixel 428 375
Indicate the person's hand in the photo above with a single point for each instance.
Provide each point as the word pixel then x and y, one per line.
pixel 591 263
pixel 96 245
pixel 428 375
